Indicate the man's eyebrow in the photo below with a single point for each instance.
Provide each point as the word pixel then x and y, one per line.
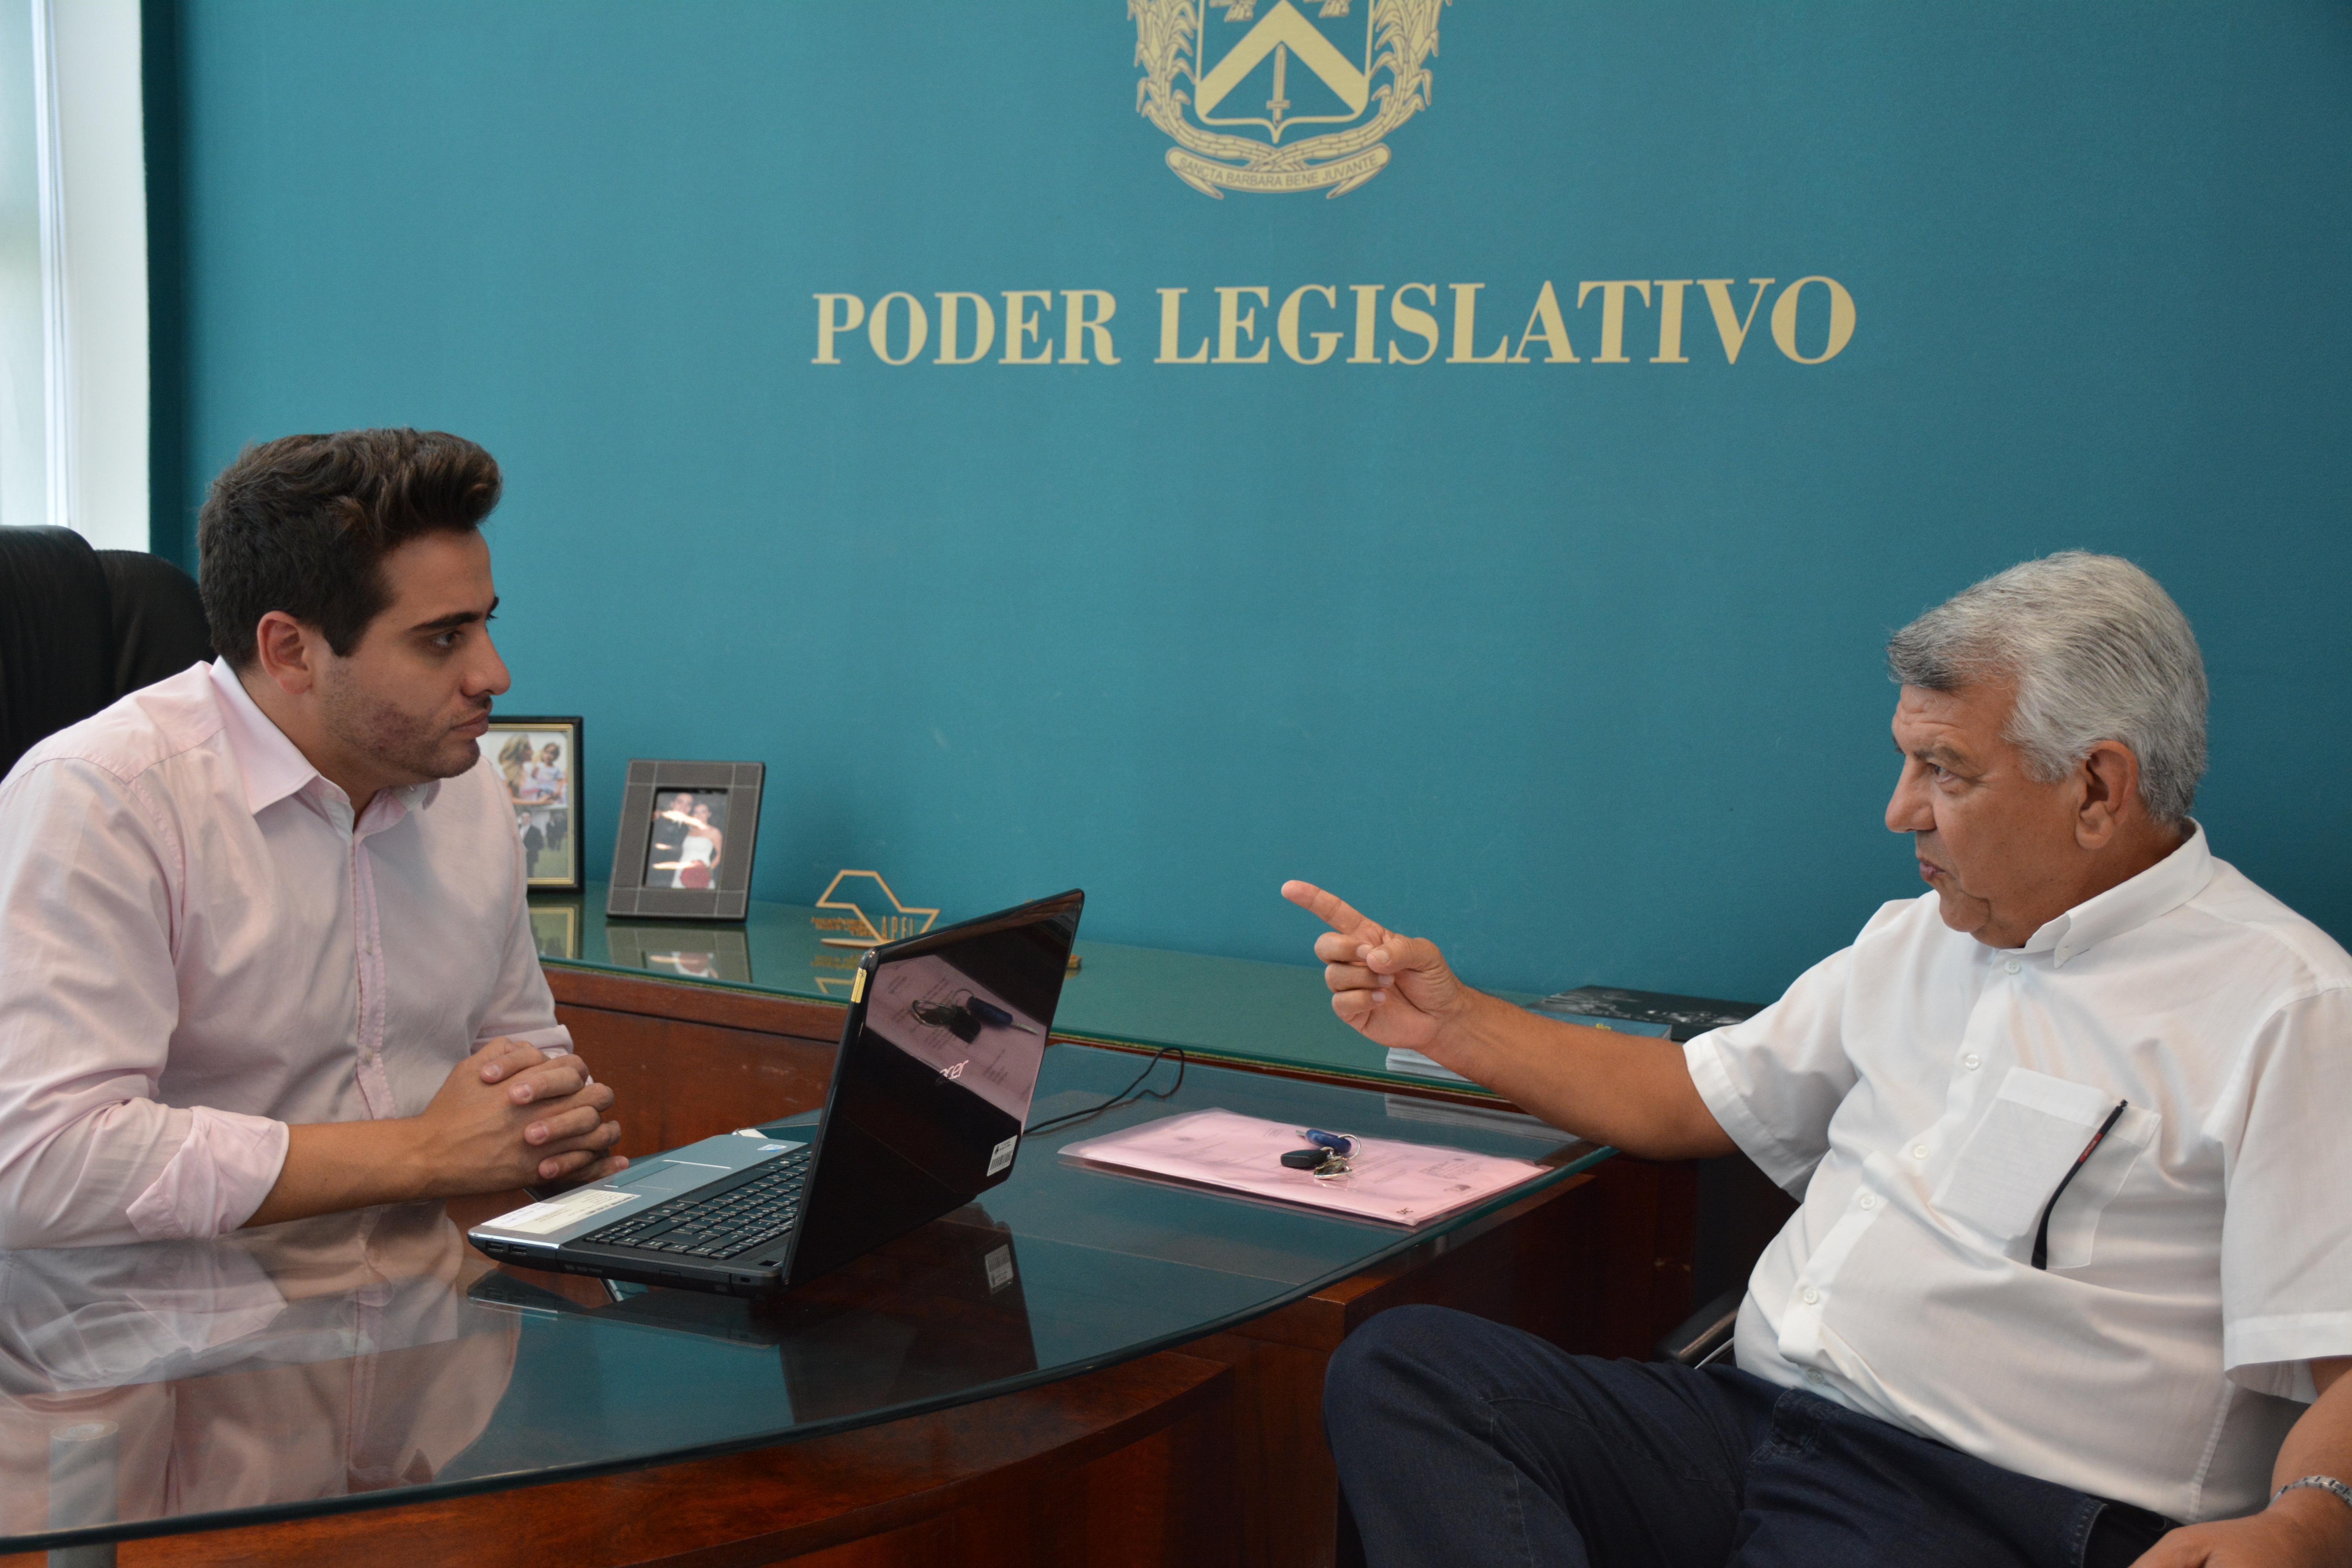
pixel 455 619
pixel 1941 753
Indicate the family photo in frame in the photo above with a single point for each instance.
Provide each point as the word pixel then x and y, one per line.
pixel 538 758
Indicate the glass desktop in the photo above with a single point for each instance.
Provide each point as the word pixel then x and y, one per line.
pixel 374 1359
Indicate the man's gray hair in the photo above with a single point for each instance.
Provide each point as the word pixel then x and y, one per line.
pixel 2098 651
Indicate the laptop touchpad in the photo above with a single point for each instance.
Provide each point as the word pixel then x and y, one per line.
pixel 659 1178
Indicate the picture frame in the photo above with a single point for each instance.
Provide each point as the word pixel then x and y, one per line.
pixel 687 834
pixel 538 760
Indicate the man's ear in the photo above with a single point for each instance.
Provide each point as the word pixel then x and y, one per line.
pixel 287 652
pixel 2109 777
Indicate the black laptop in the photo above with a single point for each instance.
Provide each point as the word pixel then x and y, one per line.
pixel 939 1060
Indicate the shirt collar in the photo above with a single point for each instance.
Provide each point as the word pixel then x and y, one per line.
pixel 2159 891
pixel 273 767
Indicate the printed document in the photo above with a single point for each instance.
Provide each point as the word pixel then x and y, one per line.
pixel 1397 1182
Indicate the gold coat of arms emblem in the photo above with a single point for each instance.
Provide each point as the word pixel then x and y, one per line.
pixel 1267 98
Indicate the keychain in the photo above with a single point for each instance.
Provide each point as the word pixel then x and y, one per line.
pixel 1327 1160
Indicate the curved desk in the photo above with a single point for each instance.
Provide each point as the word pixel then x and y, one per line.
pixel 1086 1367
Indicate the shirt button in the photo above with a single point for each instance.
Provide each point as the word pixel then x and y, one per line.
pixel 1870 1200
pixel 1918 1150
pixel 1813 1376
pixel 1972 1061
pixel 1810 1296
pixel 2012 966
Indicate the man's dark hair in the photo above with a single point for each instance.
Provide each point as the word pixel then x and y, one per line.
pixel 303 524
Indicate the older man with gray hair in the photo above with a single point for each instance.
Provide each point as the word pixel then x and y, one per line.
pixel 2071 1282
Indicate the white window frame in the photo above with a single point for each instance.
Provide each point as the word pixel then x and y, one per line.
pixel 90 142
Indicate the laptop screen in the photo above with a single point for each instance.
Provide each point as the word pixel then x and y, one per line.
pixel 939 1059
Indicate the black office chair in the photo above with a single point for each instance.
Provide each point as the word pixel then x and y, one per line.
pixel 79 628
pixel 1705 1336
pixel 1740 1210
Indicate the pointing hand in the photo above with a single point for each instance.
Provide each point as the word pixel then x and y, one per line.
pixel 1395 989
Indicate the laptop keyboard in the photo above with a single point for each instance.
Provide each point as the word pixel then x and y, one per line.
pixel 720 1224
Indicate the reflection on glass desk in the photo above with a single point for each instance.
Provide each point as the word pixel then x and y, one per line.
pixel 372 1359
pixel 921 1320
pixel 1229 1009
pixel 695 953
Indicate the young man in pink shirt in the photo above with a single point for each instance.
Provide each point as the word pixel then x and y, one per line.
pixel 264 948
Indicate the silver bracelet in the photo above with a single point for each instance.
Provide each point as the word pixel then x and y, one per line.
pixel 2324 1483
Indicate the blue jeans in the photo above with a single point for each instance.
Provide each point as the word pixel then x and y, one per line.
pixel 1463 1442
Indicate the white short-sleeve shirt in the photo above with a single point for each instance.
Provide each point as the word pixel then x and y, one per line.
pixel 1925 1094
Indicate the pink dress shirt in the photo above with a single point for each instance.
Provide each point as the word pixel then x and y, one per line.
pixel 198 946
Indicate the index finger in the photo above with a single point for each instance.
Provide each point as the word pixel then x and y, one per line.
pixel 502 1057
pixel 1329 907
pixel 560 1075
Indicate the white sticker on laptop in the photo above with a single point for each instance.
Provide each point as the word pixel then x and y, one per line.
pixel 1001 1155
pixel 538 1219
pixel 999 1269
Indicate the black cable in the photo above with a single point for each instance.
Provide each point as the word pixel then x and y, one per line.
pixel 1123 1096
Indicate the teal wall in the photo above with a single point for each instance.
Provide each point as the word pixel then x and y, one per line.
pixel 1574 668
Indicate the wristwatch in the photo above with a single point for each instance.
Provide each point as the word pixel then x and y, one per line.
pixel 2324 1483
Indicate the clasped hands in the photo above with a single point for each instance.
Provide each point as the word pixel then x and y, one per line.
pixel 512 1115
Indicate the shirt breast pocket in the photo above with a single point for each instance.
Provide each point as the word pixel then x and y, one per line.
pixel 2030 1137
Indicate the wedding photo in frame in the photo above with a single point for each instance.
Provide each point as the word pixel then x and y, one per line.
pixel 684 850
pixel 538 760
